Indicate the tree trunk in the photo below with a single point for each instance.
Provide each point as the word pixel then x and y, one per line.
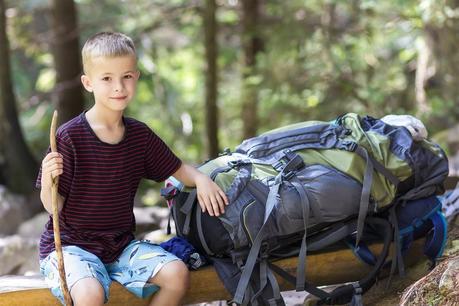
pixel 69 91
pixel 210 29
pixel 442 43
pixel 251 45
pixel 18 169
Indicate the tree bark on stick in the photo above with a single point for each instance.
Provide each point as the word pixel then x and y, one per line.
pixel 57 232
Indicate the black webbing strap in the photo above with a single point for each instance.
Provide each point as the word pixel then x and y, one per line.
pixel 305 206
pixel 366 189
pixel 384 171
pixel 277 298
pixel 200 231
pixel 345 293
pixel 169 230
pixel 292 280
pixel 247 300
pixel 272 199
pixel 263 279
pixel 187 208
pixel 397 260
pixel 265 276
pixel 256 244
pixel 249 265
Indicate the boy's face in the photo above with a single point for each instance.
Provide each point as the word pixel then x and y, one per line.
pixel 112 80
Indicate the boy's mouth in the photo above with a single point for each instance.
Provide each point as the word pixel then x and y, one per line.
pixel 119 98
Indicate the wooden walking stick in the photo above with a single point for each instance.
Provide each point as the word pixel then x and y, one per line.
pixel 57 232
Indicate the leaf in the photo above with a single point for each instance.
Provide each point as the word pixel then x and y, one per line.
pixel 149 255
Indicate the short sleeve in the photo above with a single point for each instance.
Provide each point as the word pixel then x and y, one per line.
pixel 160 161
pixel 65 147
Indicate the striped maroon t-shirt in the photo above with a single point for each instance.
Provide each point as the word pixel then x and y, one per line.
pixel 99 184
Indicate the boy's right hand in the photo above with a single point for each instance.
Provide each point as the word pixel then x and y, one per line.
pixel 51 167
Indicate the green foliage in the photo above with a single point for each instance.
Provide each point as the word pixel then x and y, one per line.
pixel 320 59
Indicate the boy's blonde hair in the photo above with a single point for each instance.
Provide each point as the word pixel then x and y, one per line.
pixel 106 44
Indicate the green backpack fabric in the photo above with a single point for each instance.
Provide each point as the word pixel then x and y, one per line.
pixel 388 149
pixel 289 184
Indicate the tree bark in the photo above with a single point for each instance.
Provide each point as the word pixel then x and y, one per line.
pixel 210 30
pixel 442 43
pixel 251 45
pixel 18 168
pixel 68 96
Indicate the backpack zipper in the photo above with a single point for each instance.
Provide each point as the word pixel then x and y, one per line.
pixel 313 139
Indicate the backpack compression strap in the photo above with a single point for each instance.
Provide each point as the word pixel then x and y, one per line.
pixel 293 165
pixel 344 294
pixel 371 164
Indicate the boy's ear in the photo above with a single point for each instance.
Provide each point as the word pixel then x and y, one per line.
pixel 86 82
pixel 137 74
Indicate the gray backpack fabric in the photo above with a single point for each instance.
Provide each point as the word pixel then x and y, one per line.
pixel 303 188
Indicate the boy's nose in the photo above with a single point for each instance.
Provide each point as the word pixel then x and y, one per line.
pixel 118 87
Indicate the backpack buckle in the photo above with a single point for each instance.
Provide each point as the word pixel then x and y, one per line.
pixel 264 251
pixel 278 166
pixel 168 192
pixel 295 162
pixel 290 161
pixel 235 163
pixel 287 176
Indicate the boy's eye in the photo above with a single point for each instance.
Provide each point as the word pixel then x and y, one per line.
pixel 128 76
pixel 106 78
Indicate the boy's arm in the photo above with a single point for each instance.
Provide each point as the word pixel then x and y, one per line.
pixel 210 196
pixel 52 166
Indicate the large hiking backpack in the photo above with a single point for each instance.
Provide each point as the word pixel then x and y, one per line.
pixel 305 187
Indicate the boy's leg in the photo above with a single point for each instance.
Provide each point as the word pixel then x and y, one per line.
pixel 173 280
pixel 144 268
pixel 87 278
pixel 87 292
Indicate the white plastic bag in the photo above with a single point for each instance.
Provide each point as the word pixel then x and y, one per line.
pixel 414 125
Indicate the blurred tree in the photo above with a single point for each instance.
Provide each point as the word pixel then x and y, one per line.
pixel 251 46
pixel 437 75
pixel 65 48
pixel 319 59
pixel 211 75
pixel 17 167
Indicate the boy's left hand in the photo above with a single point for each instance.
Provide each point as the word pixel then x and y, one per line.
pixel 210 196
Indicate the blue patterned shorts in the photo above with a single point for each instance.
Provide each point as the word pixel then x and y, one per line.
pixel 138 262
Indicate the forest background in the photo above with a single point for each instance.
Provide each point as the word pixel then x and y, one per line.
pixel 216 72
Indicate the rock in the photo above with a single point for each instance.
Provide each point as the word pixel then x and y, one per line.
pixel 15 252
pixel 449 280
pixel 33 228
pixel 13 211
pixel 439 287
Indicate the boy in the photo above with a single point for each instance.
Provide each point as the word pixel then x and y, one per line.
pixel 101 158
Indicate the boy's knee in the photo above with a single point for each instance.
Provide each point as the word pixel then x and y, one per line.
pixel 173 276
pixel 87 291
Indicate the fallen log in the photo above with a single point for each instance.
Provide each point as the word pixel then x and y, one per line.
pixel 324 268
